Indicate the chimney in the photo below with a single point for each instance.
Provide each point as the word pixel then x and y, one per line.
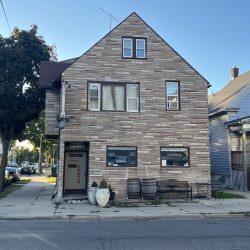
pixel 234 72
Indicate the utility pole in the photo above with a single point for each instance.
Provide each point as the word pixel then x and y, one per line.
pixel 40 152
pixel 40 156
pixel 244 157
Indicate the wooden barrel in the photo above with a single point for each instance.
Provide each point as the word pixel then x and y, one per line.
pixel 133 188
pixel 148 188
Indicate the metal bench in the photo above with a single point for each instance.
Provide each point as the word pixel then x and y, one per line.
pixel 216 185
pixel 172 188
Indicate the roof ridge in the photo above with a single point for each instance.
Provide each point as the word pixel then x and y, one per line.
pixel 124 20
pixel 238 90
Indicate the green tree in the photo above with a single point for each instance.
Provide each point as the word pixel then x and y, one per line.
pixel 20 98
pixel 24 154
pixel 35 130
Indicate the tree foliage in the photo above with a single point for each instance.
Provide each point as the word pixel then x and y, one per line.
pixel 20 98
pixel 34 131
pixel 24 154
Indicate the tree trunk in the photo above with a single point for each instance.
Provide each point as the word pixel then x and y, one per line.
pixel 4 162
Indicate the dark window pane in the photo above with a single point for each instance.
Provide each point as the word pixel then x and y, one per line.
pixel 121 157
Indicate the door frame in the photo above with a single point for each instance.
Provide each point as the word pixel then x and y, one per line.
pixel 85 149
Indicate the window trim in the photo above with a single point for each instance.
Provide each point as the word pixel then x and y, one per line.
pixel 137 98
pixel 174 166
pixel 123 47
pixel 99 96
pixel 178 92
pixel 101 83
pixel 128 166
pixel 134 47
pixel 144 48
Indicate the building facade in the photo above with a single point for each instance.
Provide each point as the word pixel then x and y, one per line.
pixel 130 106
pixel 229 113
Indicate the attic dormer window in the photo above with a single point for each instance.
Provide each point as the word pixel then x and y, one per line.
pixel 133 47
pixel 127 47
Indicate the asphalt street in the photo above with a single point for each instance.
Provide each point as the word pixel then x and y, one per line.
pixel 164 234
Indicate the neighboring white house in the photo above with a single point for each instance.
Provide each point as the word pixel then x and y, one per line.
pixel 229 117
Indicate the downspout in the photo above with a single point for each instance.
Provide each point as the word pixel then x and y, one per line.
pixel 61 119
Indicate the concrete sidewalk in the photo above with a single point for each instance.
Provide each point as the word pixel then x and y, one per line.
pixel 33 201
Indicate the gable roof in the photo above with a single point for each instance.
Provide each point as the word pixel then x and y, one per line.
pixel 228 97
pixel 50 73
pixel 59 67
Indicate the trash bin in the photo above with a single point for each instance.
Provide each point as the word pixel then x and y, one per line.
pixel 53 172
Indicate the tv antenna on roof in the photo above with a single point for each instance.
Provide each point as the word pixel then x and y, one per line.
pixel 110 17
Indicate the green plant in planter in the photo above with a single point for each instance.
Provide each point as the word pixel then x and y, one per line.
pixel 92 193
pixel 94 184
pixel 103 184
pixel 102 194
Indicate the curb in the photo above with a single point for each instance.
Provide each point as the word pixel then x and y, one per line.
pixel 130 218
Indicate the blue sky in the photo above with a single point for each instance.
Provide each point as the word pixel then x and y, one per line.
pixel 212 35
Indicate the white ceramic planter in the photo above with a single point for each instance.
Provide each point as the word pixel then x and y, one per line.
pixel 92 195
pixel 102 196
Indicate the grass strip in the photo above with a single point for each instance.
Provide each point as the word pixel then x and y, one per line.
pixel 23 181
pixel 226 195
pixel 8 190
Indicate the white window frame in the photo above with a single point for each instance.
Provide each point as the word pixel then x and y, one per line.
pixel 168 103
pixel 126 97
pixel 132 98
pixel 123 47
pixel 99 96
pixel 144 48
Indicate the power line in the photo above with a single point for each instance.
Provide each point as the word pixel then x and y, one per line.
pixel 5 15
pixel 111 17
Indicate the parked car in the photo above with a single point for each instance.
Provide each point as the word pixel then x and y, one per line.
pixel 7 178
pixel 34 168
pixel 16 176
pixel 26 170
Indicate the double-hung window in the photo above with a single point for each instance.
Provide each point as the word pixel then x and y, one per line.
pixel 132 92
pixel 127 47
pixel 94 99
pixel 114 97
pixel 140 48
pixel 121 156
pixel 133 47
pixel 172 95
pixel 175 157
